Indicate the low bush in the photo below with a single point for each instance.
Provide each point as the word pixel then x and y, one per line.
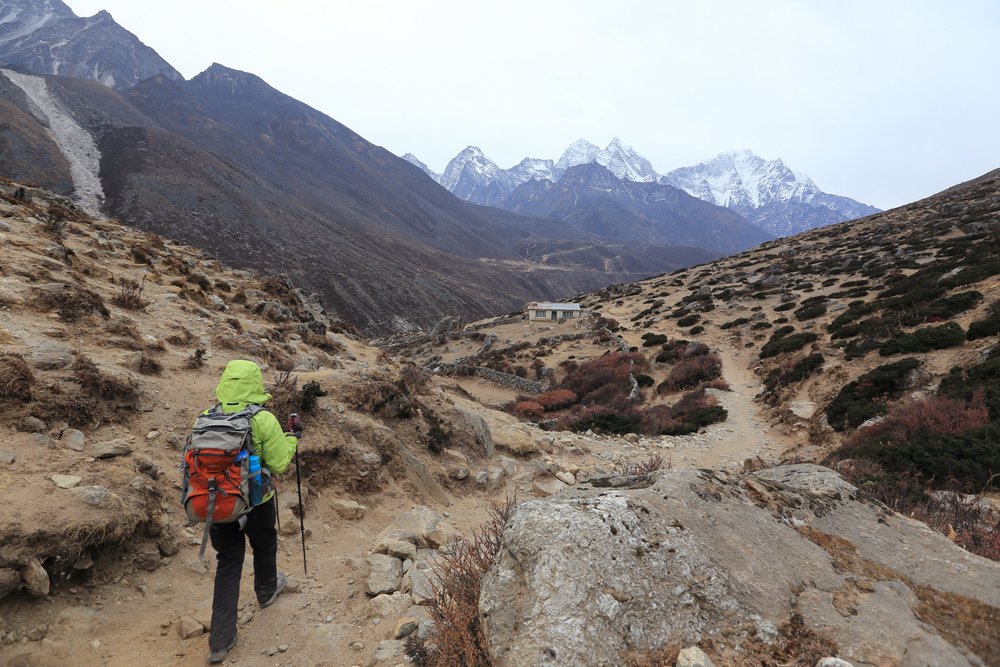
pixel 983 377
pixel 690 372
pixel 149 366
pixel 734 323
pixel 810 311
pixel 129 295
pixel 688 320
pixel 988 326
pixel 458 637
pixel 612 368
pixel 644 380
pixel 781 307
pixel 602 420
pixel 528 410
pixel 651 464
pixel 16 378
pixel 925 340
pixel 72 302
pixel 692 412
pixel 671 351
pixel 695 330
pixel 785 375
pixel 866 397
pixel 790 342
pixel 652 340
pixel 556 399
pixel 311 393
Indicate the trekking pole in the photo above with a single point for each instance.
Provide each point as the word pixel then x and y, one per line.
pixel 296 427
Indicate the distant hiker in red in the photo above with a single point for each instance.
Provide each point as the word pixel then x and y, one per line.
pixel 234 449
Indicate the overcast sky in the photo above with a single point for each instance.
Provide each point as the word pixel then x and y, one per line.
pixel 883 101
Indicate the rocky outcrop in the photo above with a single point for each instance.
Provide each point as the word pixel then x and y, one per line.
pixel 702 556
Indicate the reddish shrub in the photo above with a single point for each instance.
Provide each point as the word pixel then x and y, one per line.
pixel 528 410
pixel 610 396
pixel 556 399
pixel 690 372
pixel 929 416
pixel 610 368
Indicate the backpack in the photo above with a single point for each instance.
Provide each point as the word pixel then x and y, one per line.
pixel 217 483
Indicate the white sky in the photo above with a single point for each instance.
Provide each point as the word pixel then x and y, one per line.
pixel 885 101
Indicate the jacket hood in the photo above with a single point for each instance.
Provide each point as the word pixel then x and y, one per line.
pixel 241 384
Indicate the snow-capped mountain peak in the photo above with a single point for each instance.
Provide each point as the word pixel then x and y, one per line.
pixel 534 169
pixel 473 160
pixel 580 151
pixel 415 161
pixel 767 192
pixel 619 158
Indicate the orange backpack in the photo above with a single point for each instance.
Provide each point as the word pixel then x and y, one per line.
pixel 216 468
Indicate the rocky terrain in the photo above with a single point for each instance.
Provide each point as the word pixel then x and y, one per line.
pixel 670 517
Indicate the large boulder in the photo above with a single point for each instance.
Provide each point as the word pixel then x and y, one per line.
pixel 481 430
pixel 596 571
pixel 49 356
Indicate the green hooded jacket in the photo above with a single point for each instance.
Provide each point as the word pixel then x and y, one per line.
pixel 241 385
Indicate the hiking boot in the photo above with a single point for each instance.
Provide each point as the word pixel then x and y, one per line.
pixel 215 657
pixel 282 581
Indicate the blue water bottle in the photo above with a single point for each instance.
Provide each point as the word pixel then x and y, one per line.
pixel 256 488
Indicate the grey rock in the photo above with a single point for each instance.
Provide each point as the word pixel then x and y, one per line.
pixel 420 587
pixel 591 573
pixel 271 652
pixel 274 311
pixel 292 585
pixel 693 657
pixel 548 487
pixel 33 425
pixel 421 477
pixel 217 302
pixel 389 649
pixel 65 481
pixel 73 439
pixel 44 440
pixel 385 575
pixel 197 567
pixel 833 662
pixel 7 457
pixel 189 628
pixel 49 356
pixel 95 496
pixel 348 509
pixel 401 549
pixel 147 558
pixel 803 409
pixel 481 430
pixel 110 449
pixel 35 578
pixel 414 525
pixel 389 605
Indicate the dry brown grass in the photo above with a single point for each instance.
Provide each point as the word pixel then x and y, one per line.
pixel 662 657
pixel 16 378
pixel 129 295
pixel 458 637
pixel 71 303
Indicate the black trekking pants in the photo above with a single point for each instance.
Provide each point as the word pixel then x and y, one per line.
pixel 227 540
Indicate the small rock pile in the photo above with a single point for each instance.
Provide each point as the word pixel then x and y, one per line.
pixel 401 571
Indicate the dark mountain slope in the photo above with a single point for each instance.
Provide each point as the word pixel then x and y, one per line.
pixel 46 37
pixel 593 199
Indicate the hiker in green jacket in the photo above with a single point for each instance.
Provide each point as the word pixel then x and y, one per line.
pixel 242 385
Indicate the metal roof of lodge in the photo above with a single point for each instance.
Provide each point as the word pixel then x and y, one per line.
pixel 555 306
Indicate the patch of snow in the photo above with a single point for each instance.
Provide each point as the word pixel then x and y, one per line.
pixel 73 141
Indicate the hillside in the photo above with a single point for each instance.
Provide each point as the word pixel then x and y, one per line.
pixel 101 327
pixel 229 164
